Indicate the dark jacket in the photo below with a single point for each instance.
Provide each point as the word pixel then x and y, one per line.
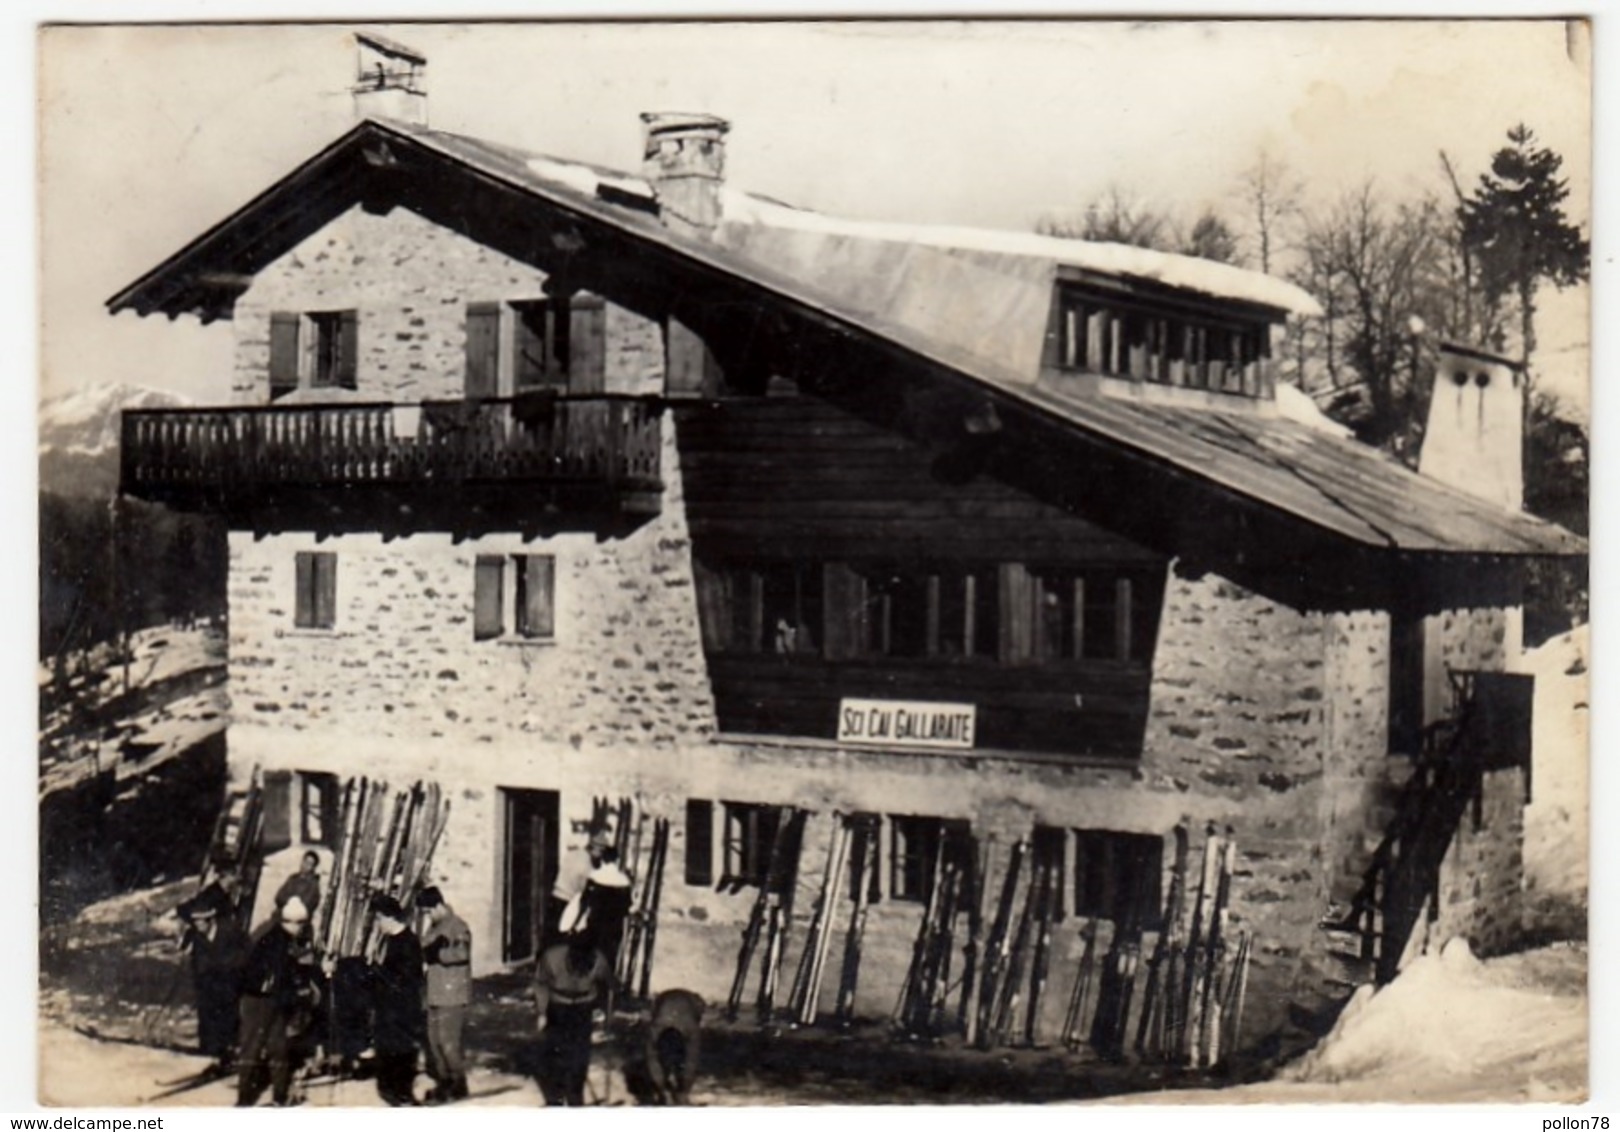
pixel 396 995
pixel 219 958
pixel 277 969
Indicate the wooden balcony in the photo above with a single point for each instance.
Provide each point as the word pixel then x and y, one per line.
pixel 595 452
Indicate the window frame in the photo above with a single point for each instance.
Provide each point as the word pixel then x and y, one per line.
pixel 319 796
pixel 1097 889
pixel 1137 338
pixel 915 842
pixel 313 349
pixel 508 619
pixel 569 330
pixel 748 831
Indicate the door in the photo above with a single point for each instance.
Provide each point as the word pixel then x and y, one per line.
pixel 529 868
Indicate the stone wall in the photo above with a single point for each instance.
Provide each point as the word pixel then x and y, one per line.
pixel 1263 720
pixel 411 282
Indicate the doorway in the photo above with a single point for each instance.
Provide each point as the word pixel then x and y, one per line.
pixel 529 821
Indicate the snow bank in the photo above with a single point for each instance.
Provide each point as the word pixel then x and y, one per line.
pixel 1450 1019
pixel 1556 823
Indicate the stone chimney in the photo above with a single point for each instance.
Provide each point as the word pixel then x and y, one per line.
pixel 390 80
pixel 1474 441
pixel 685 162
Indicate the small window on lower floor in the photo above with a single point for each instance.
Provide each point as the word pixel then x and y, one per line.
pixel 920 847
pixel 1117 877
pixel 319 807
pixel 751 837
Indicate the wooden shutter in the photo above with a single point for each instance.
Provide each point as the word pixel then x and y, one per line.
pixel 277 799
pixel 587 347
pixel 714 606
pixel 843 592
pixel 699 842
pixel 482 377
pixel 304 585
pixel 1017 613
pixel 347 368
pixel 283 353
pixel 487 577
pixel 325 589
pixel 537 582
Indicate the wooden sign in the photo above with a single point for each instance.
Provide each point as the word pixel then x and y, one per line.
pixel 906 723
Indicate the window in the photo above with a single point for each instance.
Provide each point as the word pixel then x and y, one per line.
pixel 866 838
pixel 927 612
pixel 315 606
pixel 1137 338
pixel 1406 684
pixel 762 608
pixel 1094 614
pixel 554 344
pixel 517 591
pixel 753 831
pixel 917 848
pixel 319 808
pixel 316 350
pixel 1117 876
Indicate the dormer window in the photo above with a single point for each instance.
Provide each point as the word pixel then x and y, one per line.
pixel 1140 339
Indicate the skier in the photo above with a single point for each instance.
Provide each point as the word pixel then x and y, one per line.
pixel 447 950
pixel 397 985
pixel 571 979
pixel 218 948
pixel 277 984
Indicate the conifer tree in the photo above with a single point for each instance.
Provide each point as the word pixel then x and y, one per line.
pixel 1518 232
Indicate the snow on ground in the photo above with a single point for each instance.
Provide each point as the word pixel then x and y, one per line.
pixel 1451 1029
pixel 178 700
pixel 1556 822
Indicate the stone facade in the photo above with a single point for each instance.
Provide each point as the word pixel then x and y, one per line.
pixel 1264 720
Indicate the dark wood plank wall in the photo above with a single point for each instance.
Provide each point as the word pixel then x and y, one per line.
pixel 795 478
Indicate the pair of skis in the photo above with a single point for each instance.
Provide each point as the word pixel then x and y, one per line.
pixel 635 959
pixel 920 1010
pixel 765 935
pixel 864 852
pixel 805 999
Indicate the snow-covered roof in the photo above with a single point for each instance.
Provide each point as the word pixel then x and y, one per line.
pixel 1189 272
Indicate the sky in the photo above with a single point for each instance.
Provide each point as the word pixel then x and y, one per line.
pixel 150 134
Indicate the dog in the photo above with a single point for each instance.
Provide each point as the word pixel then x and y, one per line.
pixel 671 1043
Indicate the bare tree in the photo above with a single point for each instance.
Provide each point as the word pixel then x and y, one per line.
pixel 1119 216
pixel 1271 197
pixel 1380 269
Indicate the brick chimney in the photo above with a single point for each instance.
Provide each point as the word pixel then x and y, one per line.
pixel 390 80
pixel 685 162
pixel 1475 436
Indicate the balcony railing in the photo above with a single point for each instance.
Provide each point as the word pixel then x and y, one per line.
pixel 606 442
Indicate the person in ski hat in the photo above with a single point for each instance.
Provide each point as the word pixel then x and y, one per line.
pixel 218 949
pixel 604 905
pixel 447 951
pixel 305 884
pixel 277 982
pixel 396 1022
pixel 571 979
pixel 569 887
